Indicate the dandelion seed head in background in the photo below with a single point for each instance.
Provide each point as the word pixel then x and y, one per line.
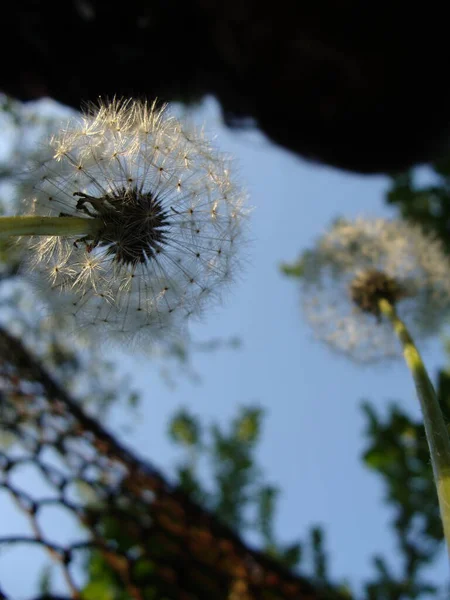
pixel 357 262
pixel 172 219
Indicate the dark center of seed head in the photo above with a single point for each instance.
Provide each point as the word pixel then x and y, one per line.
pixel 371 286
pixel 134 224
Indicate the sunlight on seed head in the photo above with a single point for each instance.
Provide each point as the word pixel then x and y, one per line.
pixel 170 219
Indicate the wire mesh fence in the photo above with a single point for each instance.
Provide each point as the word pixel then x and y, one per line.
pixel 154 541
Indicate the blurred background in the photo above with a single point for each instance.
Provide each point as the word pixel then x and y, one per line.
pixel 317 462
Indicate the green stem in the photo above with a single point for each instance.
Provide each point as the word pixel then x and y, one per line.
pixel 62 226
pixel 435 427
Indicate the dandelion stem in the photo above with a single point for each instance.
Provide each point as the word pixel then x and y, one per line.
pixel 61 226
pixel 435 427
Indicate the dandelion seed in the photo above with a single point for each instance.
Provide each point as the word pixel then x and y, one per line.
pixel 366 286
pixel 354 265
pixel 163 219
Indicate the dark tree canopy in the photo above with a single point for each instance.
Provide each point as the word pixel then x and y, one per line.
pixel 356 85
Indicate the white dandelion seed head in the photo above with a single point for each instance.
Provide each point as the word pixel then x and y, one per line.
pixel 173 219
pixel 414 272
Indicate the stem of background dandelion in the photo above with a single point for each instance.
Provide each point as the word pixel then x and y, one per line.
pixel 61 226
pixel 435 428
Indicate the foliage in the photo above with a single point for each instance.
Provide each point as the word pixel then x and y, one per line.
pixel 397 451
pixel 427 204
pixel 237 492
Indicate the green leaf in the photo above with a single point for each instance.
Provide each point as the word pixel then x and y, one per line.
pixel 185 429
pixel 293 270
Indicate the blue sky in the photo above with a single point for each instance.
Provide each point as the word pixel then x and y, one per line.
pixel 313 431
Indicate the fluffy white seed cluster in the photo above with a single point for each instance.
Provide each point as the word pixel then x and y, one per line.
pixel 171 219
pixel 391 258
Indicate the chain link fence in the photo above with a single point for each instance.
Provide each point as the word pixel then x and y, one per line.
pixel 155 542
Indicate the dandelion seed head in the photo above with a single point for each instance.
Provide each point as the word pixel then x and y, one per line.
pixel 170 218
pixel 370 286
pixel 355 264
